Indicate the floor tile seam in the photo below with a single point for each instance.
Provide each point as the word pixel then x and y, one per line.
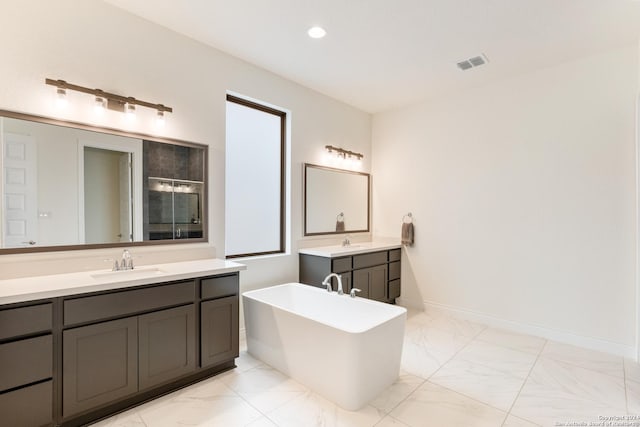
pixel 564 362
pixel 466 396
pixel 508 347
pixel 448 331
pixel 525 382
pixel 403 400
pixel 393 418
pixel 493 368
pixel 258 410
pixel 449 359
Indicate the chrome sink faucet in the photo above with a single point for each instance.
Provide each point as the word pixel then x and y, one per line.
pixel 347 241
pixel 126 263
pixel 327 283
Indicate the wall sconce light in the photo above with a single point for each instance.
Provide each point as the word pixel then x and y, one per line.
pixel 130 110
pixel 100 102
pixel 111 100
pixel 345 154
pixel 61 96
pixel 160 118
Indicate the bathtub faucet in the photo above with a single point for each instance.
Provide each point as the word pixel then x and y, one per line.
pixel 327 282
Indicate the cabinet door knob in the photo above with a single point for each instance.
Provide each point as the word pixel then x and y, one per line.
pixel 30 242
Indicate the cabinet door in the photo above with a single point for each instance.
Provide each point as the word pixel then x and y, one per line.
pixel 219 330
pixel 100 364
pixel 372 282
pixel 167 345
pixel 378 283
pixel 361 281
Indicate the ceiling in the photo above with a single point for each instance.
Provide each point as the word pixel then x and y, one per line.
pixel 384 54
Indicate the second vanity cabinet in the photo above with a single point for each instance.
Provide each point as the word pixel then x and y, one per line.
pixel 375 273
pixel 74 359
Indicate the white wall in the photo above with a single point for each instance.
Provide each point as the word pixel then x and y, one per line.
pixel 94 44
pixel 523 196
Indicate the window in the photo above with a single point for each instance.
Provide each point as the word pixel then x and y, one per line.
pixel 255 179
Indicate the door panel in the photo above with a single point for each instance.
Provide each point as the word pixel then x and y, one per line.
pixel 19 160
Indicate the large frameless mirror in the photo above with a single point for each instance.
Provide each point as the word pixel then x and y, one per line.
pixel 72 186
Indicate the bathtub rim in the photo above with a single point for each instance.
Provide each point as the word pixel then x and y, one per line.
pixel 401 311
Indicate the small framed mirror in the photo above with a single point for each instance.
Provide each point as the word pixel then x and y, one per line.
pixel 335 200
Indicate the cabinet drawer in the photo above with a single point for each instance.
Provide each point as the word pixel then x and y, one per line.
pixel 25 320
pixel 26 361
pixel 218 287
pixel 340 265
pixel 29 406
pixel 395 254
pixel 394 270
pixel 123 303
pixel 368 260
pixel 394 289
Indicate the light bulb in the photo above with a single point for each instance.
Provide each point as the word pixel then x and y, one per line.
pixel 61 97
pixel 160 118
pixel 316 32
pixel 99 103
pixel 130 110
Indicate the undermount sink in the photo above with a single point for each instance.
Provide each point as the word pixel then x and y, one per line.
pixel 128 274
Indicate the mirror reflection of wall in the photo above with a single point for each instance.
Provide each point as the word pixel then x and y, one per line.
pixel 336 201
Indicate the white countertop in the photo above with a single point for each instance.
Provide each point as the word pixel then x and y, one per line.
pixel 40 287
pixel 353 249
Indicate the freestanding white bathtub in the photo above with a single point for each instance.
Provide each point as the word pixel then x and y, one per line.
pixel 346 349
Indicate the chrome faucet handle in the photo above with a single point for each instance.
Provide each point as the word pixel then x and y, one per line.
pixel 352 294
pixel 127 261
pixel 115 267
pixel 328 285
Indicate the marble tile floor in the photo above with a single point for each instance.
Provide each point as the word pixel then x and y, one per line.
pixel 454 373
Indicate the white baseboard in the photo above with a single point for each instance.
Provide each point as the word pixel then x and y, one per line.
pixel 628 351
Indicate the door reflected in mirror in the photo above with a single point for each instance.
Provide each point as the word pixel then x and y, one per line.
pixel 108 207
pixel 71 186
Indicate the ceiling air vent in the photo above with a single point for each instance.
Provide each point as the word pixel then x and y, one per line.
pixel 476 61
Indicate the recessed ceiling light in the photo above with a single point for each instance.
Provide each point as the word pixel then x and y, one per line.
pixel 316 32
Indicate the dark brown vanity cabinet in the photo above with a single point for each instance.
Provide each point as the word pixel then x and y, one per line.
pixel 105 361
pixel 219 321
pixel 72 360
pixel 26 365
pixel 114 359
pixel 376 274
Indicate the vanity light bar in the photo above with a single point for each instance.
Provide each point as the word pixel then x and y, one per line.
pixel 114 101
pixel 341 152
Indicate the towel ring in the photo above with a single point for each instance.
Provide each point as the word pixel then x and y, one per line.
pixel 408 217
pixel 340 216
